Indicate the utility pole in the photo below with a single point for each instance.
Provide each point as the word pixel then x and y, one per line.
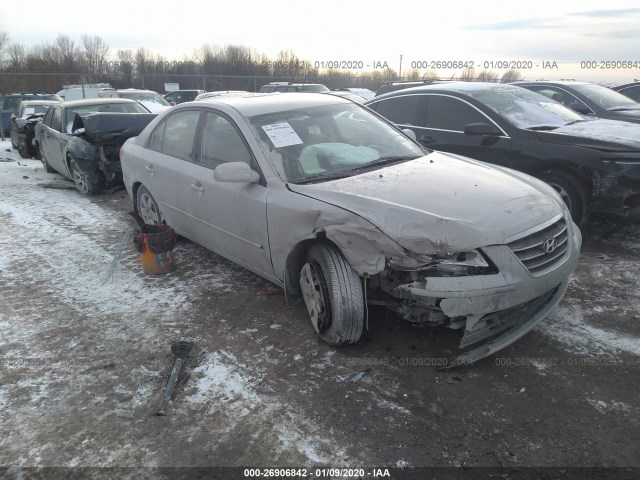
pixel 400 73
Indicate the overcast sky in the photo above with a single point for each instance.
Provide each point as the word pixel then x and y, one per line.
pixel 566 32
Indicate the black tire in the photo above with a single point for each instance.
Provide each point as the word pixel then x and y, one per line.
pixel 573 191
pixel 45 164
pixel 148 207
pixel 24 152
pixel 83 184
pixel 332 292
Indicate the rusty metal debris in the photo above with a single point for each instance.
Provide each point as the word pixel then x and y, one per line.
pixel 180 350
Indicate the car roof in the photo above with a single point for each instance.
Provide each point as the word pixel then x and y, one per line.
pixel 568 83
pixel 457 87
pixel 39 102
pixel 625 85
pixel 132 90
pixel 252 104
pixel 95 101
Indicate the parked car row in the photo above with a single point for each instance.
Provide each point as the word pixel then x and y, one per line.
pixel 81 139
pixel 341 208
pixel 452 204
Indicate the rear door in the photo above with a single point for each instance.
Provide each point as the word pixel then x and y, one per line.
pixel 51 139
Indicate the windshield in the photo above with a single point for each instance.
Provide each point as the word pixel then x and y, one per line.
pixel 526 109
pixel 313 88
pixel 146 98
pixel 605 97
pixel 34 110
pixel 329 141
pixel 106 107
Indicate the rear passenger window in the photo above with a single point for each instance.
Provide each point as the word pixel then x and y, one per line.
pixel 402 110
pixel 174 136
pixel 221 143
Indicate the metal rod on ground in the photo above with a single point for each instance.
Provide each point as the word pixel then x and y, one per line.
pixel 180 351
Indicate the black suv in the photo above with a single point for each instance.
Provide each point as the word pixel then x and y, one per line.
pixel 9 103
pixel 293 87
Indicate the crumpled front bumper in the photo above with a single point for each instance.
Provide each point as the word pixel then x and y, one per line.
pixel 502 307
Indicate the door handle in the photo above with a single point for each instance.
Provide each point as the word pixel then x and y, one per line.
pixel 427 139
pixel 197 187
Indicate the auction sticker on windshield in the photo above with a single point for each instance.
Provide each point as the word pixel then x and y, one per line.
pixel 282 135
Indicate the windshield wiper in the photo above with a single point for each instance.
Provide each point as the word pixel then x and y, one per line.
pixel 386 161
pixel 543 127
pixel 575 121
pixel 324 176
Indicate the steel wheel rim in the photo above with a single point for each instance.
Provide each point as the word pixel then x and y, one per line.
pixel 315 294
pixel 148 210
pixel 79 179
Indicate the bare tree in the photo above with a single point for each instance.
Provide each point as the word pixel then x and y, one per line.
pixel 17 55
pixel 511 75
pixel 94 53
pixel 430 75
pixel 68 55
pixel 468 74
pixel 488 76
pixel 4 42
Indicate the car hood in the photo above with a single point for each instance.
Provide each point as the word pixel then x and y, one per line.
pixel 611 135
pixel 442 203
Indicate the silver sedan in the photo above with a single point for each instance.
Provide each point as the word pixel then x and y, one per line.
pixel 336 205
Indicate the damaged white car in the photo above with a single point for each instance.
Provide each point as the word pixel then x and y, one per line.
pixel 339 207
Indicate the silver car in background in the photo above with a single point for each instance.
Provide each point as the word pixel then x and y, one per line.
pixel 337 206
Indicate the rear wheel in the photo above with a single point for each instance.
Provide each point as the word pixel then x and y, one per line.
pixel 147 207
pixel 83 183
pixel 333 295
pixel 573 191
pixel 45 164
pixel 24 152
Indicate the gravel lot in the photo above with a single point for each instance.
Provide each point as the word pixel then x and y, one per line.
pixel 84 364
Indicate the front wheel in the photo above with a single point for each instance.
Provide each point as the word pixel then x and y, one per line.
pixel 332 292
pixel 83 183
pixel 573 192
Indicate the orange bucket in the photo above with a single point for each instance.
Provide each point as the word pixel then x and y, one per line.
pixel 156 249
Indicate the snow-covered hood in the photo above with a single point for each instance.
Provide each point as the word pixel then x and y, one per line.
pixel 442 202
pixel 598 133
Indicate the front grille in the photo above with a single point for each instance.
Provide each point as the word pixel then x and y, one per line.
pixel 497 322
pixel 542 250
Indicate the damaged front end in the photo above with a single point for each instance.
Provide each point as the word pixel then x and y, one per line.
pixel 493 294
pixel 616 190
pixel 97 139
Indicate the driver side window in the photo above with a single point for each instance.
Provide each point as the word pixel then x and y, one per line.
pixel 56 120
pixel 221 143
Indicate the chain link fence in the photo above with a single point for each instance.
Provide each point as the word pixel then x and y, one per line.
pixel 52 82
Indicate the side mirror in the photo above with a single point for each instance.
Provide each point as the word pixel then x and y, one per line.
pixel 235 172
pixel 580 108
pixel 410 133
pixel 483 129
pixel 173 104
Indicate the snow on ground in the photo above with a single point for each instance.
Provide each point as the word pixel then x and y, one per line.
pixel 567 325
